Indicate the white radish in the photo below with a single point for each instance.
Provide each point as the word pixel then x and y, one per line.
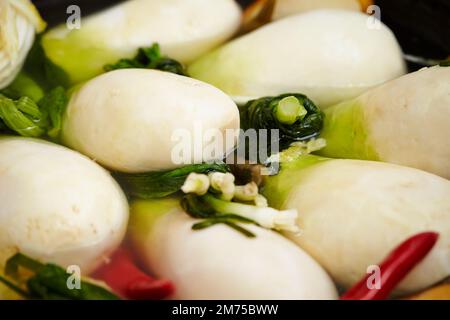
pixel 329 55
pixel 57 205
pixel 404 121
pixel 354 212
pixel 184 29
pixel 220 263
pixel 137 120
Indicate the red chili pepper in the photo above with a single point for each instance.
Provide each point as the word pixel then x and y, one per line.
pixel 394 268
pixel 127 280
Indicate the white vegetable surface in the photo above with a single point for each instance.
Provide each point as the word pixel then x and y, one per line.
pixel 404 121
pixel 329 55
pixel 220 263
pixel 353 213
pixel 284 8
pixel 132 120
pixel 19 21
pixel 184 29
pixel 57 205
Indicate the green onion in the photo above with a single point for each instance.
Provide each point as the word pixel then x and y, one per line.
pixel 295 116
pixel 196 183
pixel 289 110
pixel 248 192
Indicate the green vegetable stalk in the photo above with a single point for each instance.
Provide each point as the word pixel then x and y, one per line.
pixel 214 211
pixel 246 205
pixel 48 282
pixel 22 116
pixel 210 195
pixel 24 85
pixel 27 118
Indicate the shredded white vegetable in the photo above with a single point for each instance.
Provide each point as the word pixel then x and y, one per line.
pixel 19 21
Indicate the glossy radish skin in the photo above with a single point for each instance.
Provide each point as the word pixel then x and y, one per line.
pixel 184 29
pixel 57 205
pixel 404 121
pixel 219 262
pixel 354 212
pixel 130 120
pixel 284 8
pixel 327 55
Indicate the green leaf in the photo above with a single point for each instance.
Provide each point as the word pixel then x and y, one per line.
pixel 149 58
pixel 240 229
pixel 159 184
pixel 213 221
pixel 30 119
pixel 445 63
pixel 49 282
pixel 22 116
pixel 20 260
pixel 53 105
pixel 23 85
pixel 199 207
pixel 263 113
pixel 24 294
pixel 42 70
pixel 196 208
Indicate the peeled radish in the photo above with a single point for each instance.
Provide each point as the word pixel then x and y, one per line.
pixel 353 213
pixel 219 262
pixel 135 120
pixel 284 8
pixel 57 205
pixel 329 55
pixel 184 29
pixel 405 121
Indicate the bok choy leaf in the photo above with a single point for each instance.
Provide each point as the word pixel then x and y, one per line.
pixel 162 183
pixel 295 116
pixel 149 58
pixel 48 282
pixel 30 119
pixel 21 116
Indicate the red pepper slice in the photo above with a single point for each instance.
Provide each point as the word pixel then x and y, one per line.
pixel 123 276
pixel 395 267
